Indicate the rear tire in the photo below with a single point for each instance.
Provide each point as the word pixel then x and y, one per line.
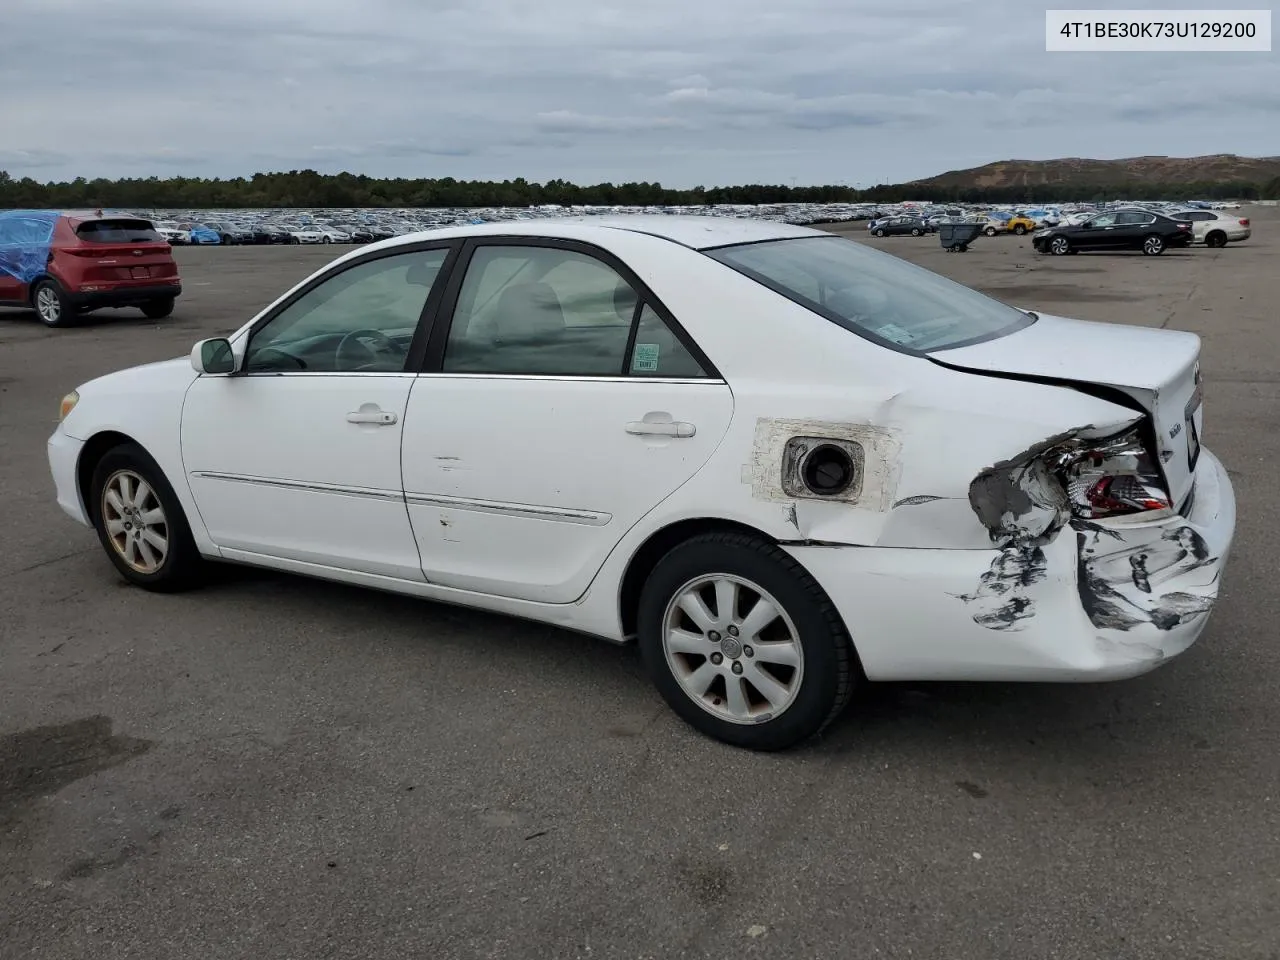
pixel 990 231
pixel 50 305
pixel 1152 245
pixel 157 309
pixel 140 522
pixel 1019 229
pixel 777 699
pixel 915 231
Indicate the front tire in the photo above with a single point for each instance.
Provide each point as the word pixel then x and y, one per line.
pixel 1059 246
pixel 157 309
pixel 743 643
pixel 1153 245
pixel 990 231
pixel 1019 229
pixel 1216 239
pixel 51 304
pixel 877 233
pixel 140 522
pixel 915 231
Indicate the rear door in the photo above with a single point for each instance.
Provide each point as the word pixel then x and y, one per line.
pixel 1132 226
pixel 561 403
pixel 25 236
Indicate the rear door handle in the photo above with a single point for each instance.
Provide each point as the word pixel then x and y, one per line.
pixel 667 428
pixel 380 418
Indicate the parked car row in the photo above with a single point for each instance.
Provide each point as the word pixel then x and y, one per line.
pixel 1151 228
pixel 1140 228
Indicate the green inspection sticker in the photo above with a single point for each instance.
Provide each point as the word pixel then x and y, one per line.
pixel 645 358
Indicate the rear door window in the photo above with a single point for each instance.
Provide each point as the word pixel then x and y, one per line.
pixel 118 231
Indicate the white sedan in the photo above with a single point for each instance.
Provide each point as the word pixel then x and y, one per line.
pixel 308 234
pixel 1214 228
pixel 782 462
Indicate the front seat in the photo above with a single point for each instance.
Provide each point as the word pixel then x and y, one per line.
pixel 528 313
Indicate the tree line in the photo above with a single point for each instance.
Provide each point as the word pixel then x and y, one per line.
pixel 308 188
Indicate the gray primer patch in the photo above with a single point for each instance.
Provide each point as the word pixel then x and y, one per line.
pixel 1023 506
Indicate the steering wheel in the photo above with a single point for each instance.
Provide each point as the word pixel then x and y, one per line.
pixel 374 351
pixel 273 358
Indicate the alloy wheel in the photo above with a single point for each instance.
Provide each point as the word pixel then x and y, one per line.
pixel 732 648
pixel 1152 246
pixel 135 521
pixel 48 305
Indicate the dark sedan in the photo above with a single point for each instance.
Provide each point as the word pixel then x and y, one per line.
pixel 1116 230
pixel 230 232
pixel 272 233
pixel 900 226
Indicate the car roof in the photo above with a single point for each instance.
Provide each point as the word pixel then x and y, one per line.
pixel 695 232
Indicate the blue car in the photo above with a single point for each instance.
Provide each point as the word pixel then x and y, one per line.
pixel 202 234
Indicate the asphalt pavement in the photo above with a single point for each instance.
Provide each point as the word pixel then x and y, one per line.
pixel 274 768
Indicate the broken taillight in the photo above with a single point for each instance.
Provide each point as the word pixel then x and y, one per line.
pixel 1113 477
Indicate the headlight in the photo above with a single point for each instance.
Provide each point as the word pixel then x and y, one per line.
pixel 68 404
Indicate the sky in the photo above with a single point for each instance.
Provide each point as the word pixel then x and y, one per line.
pixel 683 92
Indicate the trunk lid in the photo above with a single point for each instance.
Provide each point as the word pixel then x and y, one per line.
pixel 1157 369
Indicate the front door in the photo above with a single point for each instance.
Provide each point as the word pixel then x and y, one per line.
pixel 298 456
pixel 1102 233
pixel 563 405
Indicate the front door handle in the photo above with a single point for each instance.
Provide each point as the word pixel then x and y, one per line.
pixel 380 418
pixel 661 428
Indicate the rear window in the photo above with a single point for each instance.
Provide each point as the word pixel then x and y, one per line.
pixel 874 294
pixel 118 231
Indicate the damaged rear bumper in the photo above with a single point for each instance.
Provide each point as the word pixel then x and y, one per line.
pixel 1102 601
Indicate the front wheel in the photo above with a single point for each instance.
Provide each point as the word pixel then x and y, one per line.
pixel 990 231
pixel 157 309
pixel 1153 245
pixel 1216 239
pixel 326 239
pixel 1059 246
pixel 1019 229
pixel 915 231
pixel 743 643
pixel 877 233
pixel 140 521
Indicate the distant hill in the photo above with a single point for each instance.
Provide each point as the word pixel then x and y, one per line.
pixel 1077 173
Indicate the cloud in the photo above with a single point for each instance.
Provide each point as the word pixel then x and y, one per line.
pixel 712 92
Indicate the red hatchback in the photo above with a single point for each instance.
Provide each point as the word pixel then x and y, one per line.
pixel 65 264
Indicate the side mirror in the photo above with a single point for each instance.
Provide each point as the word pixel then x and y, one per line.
pixel 213 356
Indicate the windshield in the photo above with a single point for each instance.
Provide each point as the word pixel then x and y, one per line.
pixel 874 294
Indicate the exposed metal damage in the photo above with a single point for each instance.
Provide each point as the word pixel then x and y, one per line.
pixel 1124 584
pixel 1127 575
